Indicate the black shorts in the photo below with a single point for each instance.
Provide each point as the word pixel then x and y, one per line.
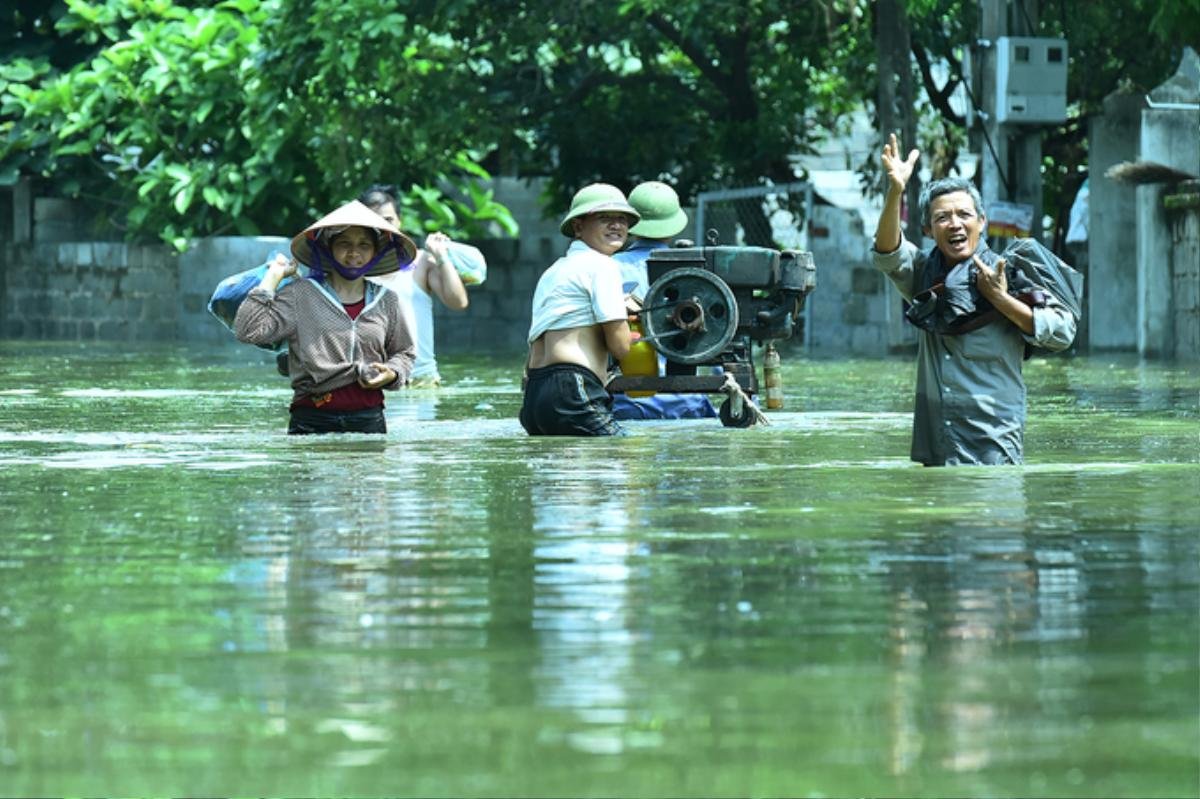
pixel 567 400
pixel 311 421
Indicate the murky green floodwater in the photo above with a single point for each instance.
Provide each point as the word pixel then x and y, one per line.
pixel 193 603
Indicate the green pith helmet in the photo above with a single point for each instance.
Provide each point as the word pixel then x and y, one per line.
pixel 659 206
pixel 594 199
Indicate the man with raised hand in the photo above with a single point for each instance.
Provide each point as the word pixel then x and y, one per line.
pixel 970 398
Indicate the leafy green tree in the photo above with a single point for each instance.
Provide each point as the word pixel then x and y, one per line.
pixel 1129 44
pixel 707 92
pixel 372 92
pixel 181 119
pixel 195 121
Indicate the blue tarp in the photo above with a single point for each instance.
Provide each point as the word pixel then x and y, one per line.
pixel 663 406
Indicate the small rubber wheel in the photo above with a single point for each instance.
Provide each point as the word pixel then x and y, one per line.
pixel 745 419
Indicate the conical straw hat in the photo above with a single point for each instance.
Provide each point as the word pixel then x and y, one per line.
pixel 355 213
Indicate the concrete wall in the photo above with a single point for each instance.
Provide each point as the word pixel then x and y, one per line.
pixel 87 291
pixel 850 310
pixel 1170 135
pixel 57 288
pixel 1111 285
pixel 53 286
pixel 114 291
pixel 1183 214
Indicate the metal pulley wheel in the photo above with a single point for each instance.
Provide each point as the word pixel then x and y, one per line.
pixel 691 315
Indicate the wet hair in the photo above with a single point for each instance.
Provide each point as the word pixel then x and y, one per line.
pixel 378 195
pixel 931 191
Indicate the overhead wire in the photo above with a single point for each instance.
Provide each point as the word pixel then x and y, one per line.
pixel 987 139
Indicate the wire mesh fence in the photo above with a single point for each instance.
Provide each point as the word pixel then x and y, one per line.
pixel 762 216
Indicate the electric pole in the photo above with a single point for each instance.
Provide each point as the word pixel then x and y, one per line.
pixel 1012 163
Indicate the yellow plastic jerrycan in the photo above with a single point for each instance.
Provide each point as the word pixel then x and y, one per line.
pixel 642 360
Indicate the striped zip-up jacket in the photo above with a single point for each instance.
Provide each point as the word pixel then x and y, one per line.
pixel 326 348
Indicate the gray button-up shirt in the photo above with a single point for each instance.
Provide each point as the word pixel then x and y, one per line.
pixel 970 404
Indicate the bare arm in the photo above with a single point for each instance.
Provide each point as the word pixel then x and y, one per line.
pixel 617 338
pixel 437 276
pixel 898 172
pixel 277 270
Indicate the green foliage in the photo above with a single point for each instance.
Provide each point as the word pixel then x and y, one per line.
pixel 703 93
pixel 196 121
pixel 1131 45
pixel 190 118
pixel 371 93
pixel 27 31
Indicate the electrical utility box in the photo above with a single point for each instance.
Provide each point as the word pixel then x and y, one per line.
pixel 1031 80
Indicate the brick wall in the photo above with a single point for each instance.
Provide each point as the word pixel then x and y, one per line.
pixel 88 291
pixel 849 312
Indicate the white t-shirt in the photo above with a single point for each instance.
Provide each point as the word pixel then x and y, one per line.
pixel 580 289
pixel 419 307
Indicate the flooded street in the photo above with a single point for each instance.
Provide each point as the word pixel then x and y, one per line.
pixel 192 602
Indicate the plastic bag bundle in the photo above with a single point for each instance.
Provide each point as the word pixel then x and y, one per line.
pixel 1047 270
pixel 232 291
pixel 468 261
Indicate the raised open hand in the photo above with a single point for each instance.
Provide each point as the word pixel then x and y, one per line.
pixel 898 170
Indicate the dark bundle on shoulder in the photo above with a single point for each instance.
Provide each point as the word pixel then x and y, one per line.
pixel 1048 271
pixel 955 307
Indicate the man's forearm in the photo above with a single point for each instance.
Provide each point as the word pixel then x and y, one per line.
pixel 887 234
pixel 447 285
pixel 1015 311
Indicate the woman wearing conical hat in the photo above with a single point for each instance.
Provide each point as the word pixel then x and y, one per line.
pixel 348 338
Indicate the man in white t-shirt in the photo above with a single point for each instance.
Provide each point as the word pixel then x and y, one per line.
pixel 580 318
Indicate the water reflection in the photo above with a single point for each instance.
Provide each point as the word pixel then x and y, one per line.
pixel 581 584
pixel 688 611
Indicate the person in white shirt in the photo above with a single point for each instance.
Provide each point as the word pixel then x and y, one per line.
pixel 580 318
pixel 433 275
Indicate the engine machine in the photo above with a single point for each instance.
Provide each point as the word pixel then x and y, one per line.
pixel 707 305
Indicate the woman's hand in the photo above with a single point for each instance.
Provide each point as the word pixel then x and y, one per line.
pixel 382 375
pixel 279 268
pixel 898 171
pixel 282 266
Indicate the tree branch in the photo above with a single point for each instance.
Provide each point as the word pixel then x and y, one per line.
pixel 939 97
pixel 692 49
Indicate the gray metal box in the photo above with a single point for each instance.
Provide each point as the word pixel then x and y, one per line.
pixel 1031 80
